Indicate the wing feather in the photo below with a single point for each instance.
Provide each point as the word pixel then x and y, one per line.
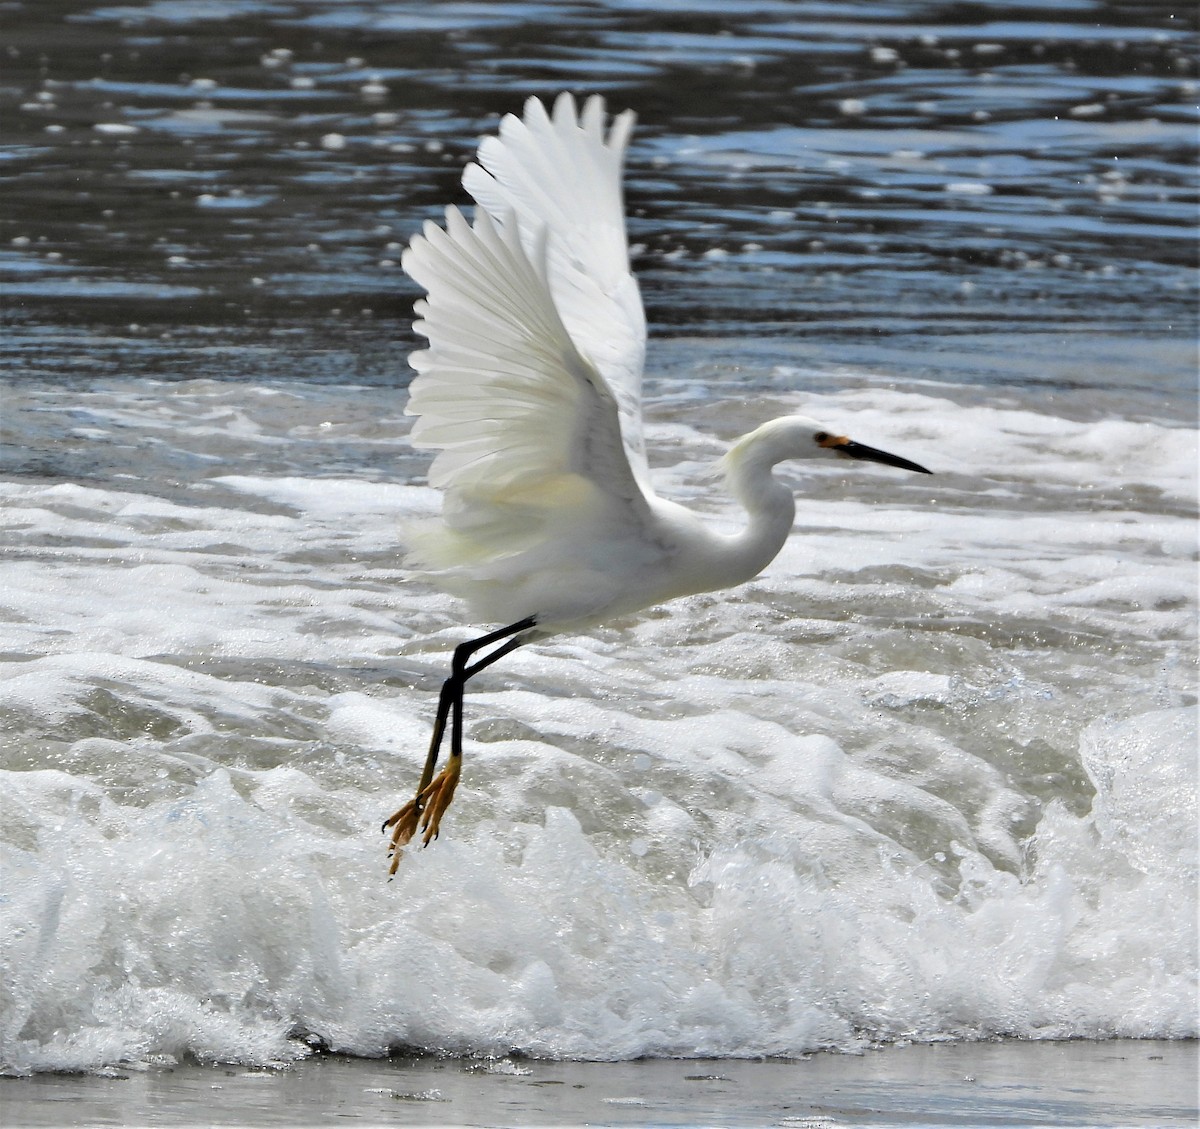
pixel 562 173
pixel 538 484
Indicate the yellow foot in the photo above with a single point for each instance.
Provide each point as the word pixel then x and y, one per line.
pixel 425 809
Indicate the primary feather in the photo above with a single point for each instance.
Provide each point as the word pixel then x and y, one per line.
pixel 562 174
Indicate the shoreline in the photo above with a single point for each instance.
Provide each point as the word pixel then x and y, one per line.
pixel 1119 1082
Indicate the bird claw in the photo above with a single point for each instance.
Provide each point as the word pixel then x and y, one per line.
pixel 424 810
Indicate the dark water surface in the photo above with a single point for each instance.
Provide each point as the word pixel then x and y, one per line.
pixel 962 192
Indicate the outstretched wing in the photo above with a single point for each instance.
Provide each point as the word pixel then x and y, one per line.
pixel 528 435
pixel 562 173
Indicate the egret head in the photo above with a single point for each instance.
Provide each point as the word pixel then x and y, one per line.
pixel 800 437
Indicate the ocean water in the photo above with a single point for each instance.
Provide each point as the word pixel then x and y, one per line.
pixel 932 776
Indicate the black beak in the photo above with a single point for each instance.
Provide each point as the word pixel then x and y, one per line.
pixel 854 450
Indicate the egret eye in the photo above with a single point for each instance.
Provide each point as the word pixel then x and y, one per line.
pixel 821 437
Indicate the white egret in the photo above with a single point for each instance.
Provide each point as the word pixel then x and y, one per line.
pixel 530 392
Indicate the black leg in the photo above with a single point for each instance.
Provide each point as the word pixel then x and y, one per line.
pixel 470 672
pixel 451 697
pixel 438 793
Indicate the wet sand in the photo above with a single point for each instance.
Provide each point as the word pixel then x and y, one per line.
pixel 1078 1083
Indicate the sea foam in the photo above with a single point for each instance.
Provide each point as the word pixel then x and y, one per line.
pixel 931 776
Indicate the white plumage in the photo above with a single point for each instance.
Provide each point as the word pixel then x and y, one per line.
pixel 530 393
